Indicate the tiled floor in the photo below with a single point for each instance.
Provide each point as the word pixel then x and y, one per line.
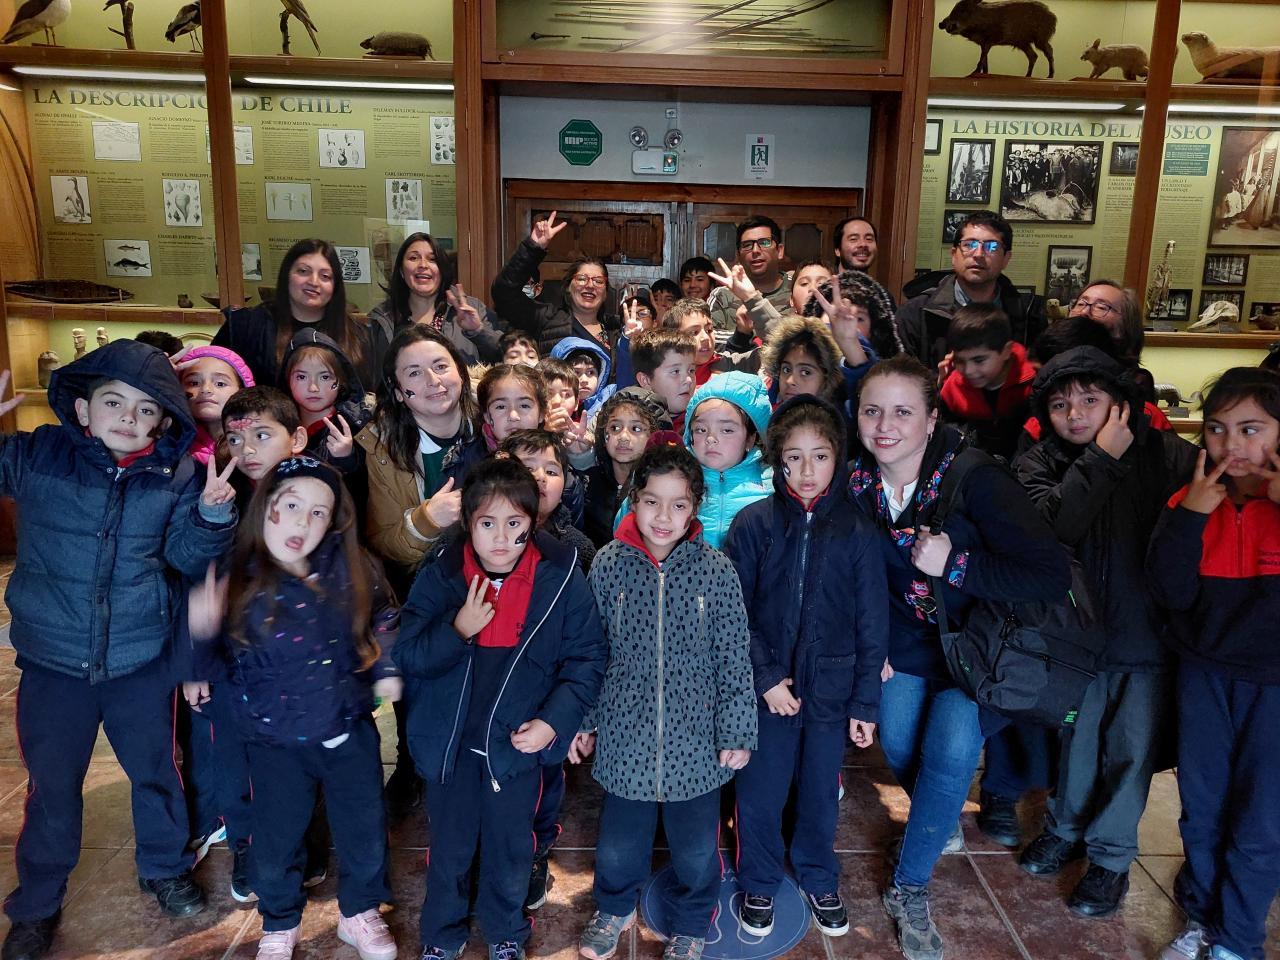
pixel 985 906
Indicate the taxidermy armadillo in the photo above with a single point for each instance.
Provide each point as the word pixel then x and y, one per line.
pixel 1212 61
pixel 393 43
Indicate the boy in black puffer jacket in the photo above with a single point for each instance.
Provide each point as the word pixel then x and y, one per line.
pixel 109 507
pixel 813 577
pixel 1101 478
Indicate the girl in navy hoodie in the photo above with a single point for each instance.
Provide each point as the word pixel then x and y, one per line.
pixel 504 656
pixel 1215 564
pixel 309 635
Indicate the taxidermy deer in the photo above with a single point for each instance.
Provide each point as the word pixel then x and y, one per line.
pixel 1022 24
pixel 1213 62
pixel 1129 58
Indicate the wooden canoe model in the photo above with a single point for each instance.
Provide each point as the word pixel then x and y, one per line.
pixel 68 291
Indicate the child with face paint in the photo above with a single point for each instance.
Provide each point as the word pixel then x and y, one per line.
pixel 330 397
pixel 503 653
pixel 511 397
pixel 308 622
pixel 210 377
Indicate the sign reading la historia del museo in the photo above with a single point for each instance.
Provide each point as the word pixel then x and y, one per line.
pixel 581 142
pixel 127 188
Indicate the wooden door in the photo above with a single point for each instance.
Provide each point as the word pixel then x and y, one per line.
pixel 806 230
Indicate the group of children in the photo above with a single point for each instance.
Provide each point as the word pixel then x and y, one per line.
pixel 669 577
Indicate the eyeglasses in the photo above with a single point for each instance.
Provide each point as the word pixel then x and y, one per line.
pixel 1097 308
pixel 582 281
pixel 745 246
pixel 972 246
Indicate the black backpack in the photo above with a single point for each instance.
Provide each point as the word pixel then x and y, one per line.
pixel 1026 661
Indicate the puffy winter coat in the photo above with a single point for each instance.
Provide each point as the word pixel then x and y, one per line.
pixel 95 592
pixel 1105 509
pixel 814 584
pixel 677 689
pixel 604 388
pixel 554 676
pixel 549 323
pixel 350 403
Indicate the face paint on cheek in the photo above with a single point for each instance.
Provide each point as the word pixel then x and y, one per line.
pixel 523 537
pixel 786 470
pixel 273 515
pixel 240 423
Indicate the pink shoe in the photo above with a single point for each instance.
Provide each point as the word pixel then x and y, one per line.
pixel 368 933
pixel 278 945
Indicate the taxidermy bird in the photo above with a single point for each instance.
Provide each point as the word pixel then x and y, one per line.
pixel 184 23
pixel 295 9
pixel 36 15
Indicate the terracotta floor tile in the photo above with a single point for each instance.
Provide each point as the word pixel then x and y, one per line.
pixel 108 816
pixel 580 814
pixel 1037 910
pixel 1158 830
pixel 91 862
pixel 873 811
pixel 1163 870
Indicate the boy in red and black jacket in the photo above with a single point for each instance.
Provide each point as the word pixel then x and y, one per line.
pixel 986 381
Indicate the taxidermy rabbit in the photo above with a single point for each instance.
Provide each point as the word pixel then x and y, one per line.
pixel 1129 58
pixel 1022 24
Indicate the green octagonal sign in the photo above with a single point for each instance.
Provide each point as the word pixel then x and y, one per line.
pixel 580 142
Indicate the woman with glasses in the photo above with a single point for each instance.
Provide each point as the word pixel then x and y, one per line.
pixel 583 310
pixel 994 547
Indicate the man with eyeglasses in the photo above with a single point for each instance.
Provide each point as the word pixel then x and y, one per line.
pixel 979 254
pixel 760 252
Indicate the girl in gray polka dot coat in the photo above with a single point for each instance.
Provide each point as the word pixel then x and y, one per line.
pixel 676 715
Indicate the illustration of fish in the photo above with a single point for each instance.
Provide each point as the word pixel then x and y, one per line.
pixel 127 246
pixel 127 264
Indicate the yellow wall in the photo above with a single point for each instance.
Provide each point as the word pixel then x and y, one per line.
pixel 1191 369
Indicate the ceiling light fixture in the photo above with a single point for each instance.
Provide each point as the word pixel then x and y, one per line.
pixel 442 87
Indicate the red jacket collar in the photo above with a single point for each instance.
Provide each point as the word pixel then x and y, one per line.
pixel 971 403
pixel 128 459
pixel 629 533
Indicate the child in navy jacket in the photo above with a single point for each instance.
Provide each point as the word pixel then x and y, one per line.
pixel 1215 564
pixel 309 635
pixel 110 512
pixel 503 653
pixel 813 575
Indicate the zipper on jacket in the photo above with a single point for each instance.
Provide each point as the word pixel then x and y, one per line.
pixel 457 719
pixel 804 560
pixel 488 730
pixel 662 578
pixel 1239 541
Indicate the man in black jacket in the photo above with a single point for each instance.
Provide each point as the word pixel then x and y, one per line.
pixel 979 254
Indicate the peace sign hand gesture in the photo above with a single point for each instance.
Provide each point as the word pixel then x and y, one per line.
pixel 632 325
pixel 544 231
pixel 217 486
pixel 8 405
pixel 340 442
pixel 469 318
pixel 476 612
pixel 735 278
pixel 843 322
pixel 1207 490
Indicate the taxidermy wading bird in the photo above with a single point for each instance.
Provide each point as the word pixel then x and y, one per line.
pixel 185 22
pixel 295 9
pixel 36 15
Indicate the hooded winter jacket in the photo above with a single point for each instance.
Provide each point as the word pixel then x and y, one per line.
pixel 96 591
pixel 548 323
pixel 677 688
pixel 554 675
pixel 1105 509
pixel 994 430
pixel 349 403
pixel 604 388
pixel 814 584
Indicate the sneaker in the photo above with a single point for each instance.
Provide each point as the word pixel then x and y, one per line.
pixel 200 845
pixel 368 933
pixel 918 937
pixel 506 950
pixel 316 871
pixel 1049 853
pixel 600 940
pixel 439 953
pixel 1099 892
pixel 684 948
pixel 829 913
pixel 1220 952
pixel 178 896
pixel 998 819
pixel 278 945
pixel 240 889
pixel 539 883
pixel 755 915
pixel 1190 944
pixel 30 939
pixel 954 844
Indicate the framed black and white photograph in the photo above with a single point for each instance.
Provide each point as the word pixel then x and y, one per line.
pixel 1246 190
pixel 1213 296
pixel 1124 160
pixel 1265 314
pixel 969 172
pixel 932 137
pixel 1225 269
pixel 951 220
pixel 1066 273
pixel 1047 182
pixel 1177 307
